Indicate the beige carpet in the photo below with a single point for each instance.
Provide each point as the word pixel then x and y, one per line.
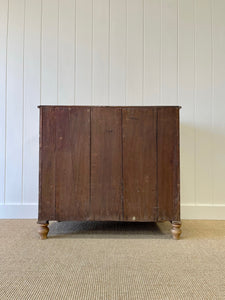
pixel 112 261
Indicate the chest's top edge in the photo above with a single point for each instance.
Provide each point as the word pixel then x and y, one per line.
pixel 108 106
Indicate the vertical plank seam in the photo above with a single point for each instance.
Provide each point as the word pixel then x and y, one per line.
pixel 6 98
pixel 75 50
pixel 178 52
pixel 176 205
pixel 90 179
pixel 126 53
pixel 212 100
pixel 92 46
pixel 53 112
pixel 195 108
pixel 161 54
pixel 157 185
pixel 23 115
pixel 109 34
pixel 58 20
pixel 143 50
pixel 122 196
pixel 40 160
pixel 41 36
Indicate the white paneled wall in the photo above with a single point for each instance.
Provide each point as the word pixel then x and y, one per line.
pixel 114 52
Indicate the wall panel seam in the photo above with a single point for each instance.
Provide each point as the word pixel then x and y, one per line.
pixel 212 99
pixel 161 52
pixel 195 108
pixel 6 98
pixel 178 53
pixel 75 50
pixel 143 51
pixel 41 34
pixel 58 20
pixel 23 114
pixel 109 60
pixel 126 55
pixel 92 46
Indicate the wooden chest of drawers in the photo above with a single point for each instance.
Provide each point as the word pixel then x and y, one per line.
pixel 109 163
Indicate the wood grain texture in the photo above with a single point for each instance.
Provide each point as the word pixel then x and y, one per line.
pixel 168 164
pixel 72 163
pixel 139 164
pixel 109 163
pixel 47 165
pixel 106 164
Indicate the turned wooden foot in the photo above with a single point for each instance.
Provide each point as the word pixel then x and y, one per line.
pixel 43 231
pixel 176 231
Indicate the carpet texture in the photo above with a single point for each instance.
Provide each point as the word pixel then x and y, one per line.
pixel 112 260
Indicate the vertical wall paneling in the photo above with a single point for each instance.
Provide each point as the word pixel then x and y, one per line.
pixel 31 99
pixel 114 52
pixel 3 63
pixel 218 50
pixel 101 29
pixel 169 52
pixel 84 21
pixel 117 59
pixel 203 101
pixel 152 57
pixel 66 52
pixel 135 13
pixel 186 98
pixel 14 117
pixel 49 52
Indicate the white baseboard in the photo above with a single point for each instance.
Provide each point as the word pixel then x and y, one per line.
pixel 203 212
pixel 188 211
pixel 19 211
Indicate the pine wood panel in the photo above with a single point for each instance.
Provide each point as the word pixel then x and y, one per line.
pixel 47 165
pixel 106 164
pixel 168 176
pixel 139 164
pixel 72 177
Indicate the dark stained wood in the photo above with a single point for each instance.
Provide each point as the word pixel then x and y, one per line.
pixel 109 163
pixel 106 164
pixel 72 163
pixel 139 164
pixel 168 164
pixel 47 165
